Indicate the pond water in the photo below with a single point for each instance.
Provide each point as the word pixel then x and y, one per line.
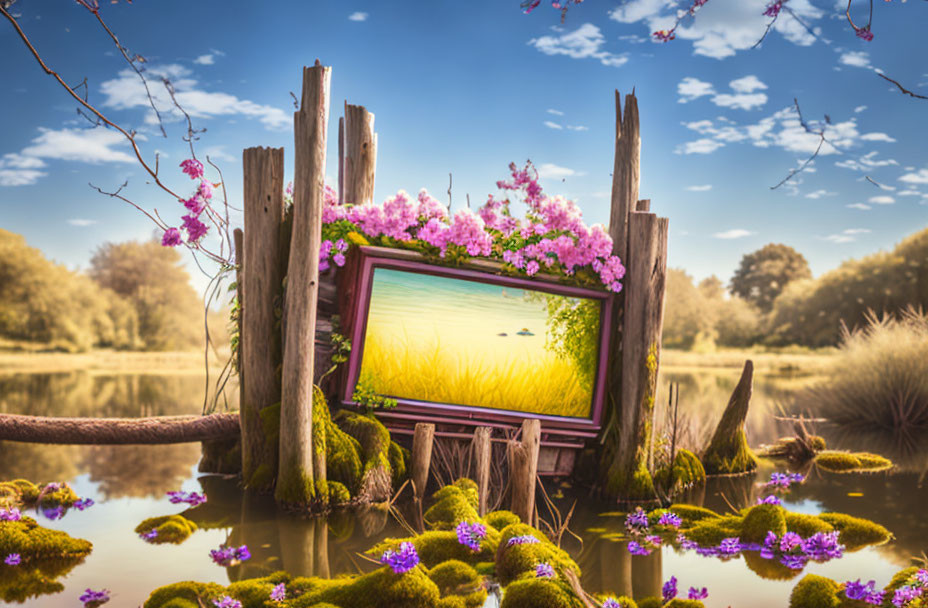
pixel 129 484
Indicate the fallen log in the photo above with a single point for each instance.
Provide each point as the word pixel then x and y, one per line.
pixel 118 431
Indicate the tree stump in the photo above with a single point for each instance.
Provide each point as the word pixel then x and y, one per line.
pixel 729 452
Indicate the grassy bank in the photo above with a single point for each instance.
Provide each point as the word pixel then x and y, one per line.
pixel 787 360
pixel 35 360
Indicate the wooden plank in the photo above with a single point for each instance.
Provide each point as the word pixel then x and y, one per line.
pixel 523 469
pixel 300 465
pixel 643 205
pixel 341 160
pixel 482 455
pixel 422 440
pixel 626 172
pixel 260 348
pixel 641 345
pixel 360 155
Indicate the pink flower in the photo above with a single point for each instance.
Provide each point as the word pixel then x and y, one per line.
pixel 864 33
pixel 171 238
pixel 430 208
pixel 195 205
pixel 531 268
pixel 192 167
pixel 205 191
pixel 773 9
pixel 664 35
pixel 194 227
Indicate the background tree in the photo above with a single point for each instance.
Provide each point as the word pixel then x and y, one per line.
pixel 150 277
pixel 763 274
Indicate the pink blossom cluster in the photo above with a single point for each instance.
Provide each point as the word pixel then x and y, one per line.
pixel 195 205
pixel 551 236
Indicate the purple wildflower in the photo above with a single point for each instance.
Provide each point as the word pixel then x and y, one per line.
pixel 544 570
pixel 92 599
pixel 525 539
pixel 611 602
pixel 670 519
pixel 191 498
pixel 653 539
pixel 770 500
pixel 55 513
pixel 855 590
pixel 823 546
pixel 150 535
pixel 403 559
pixel 227 602
pixel 279 593
pixel 790 541
pixel 10 514
pixel 229 556
pixel 921 577
pixel 697 594
pixel 192 167
pixel 242 553
pixel 636 548
pixel 13 559
pixel 470 535
pixel 83 503
pixel 730 546
pixel 669 590
pixel 904 595
pixel 171 238
pixel 636 521
pixel 794 562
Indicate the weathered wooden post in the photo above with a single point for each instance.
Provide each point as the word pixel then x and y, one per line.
pixel 422 440
pixel 482 454
pixel 360 161
pixel 260 284
pixel 523 468
pixel 728 451
pixel 302 446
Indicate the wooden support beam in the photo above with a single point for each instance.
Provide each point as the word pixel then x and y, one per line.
pixel 261 284
pixel 302 460
pixel 482 455
pixel 626 172
pixel 341 160
pixel 422 440
pixel 360 155
pixel 523 469
pixel 641 350
pixel 643 205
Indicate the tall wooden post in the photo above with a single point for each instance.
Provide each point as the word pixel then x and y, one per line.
pixel 422 440
pixel 523 465
pixel 626 172
pixel 260 347
pixel 360 160
pixel 302 446
pixel 482 455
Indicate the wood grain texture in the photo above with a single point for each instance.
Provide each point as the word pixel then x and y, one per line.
pixel 360 155
pixel 422 440
pixel 482 455
pixel 118 431
pixel 523 467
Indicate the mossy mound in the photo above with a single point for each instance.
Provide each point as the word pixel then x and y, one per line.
pixel 679 602
pixel 852 462
pixel 623 600
pixel 501 519
pixel 514 561
pixel 691 514
pixel 815 591
pixel 760 519
pixel 32 541
pixel 398 457
pixel 454 503
pixel 686 471
pixel 34 578
pixel 437 546
pixel 533 592
pixel 770 569
pixel 373 438
pixel 710 532
pixel 185 594
pixel 805 525
pixel 456 578
pixel 650 602
pixel 856 532
pixel 730 456
pixel 18 491
pixel 173 529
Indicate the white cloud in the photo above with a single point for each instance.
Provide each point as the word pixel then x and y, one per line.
pixel 856 59
pixel 859 109
pixel 735 233
pixel 909 193
pixel 702 188
pixel 919 177
pixel 552 171
pixel 853 231
pixel 127 92
pixel 748 84
pixel 208 59
pixel 820 194
pixel 578 128
pixel 881 200
pixel 846 236
pixel 860 206
pixel 700 146
pixel 877 137
pixel 866 162
pixel 552 125
pixel 81 223
pixel 741 101
pixel 584 42
pixel 555 112
pixel 95 145
pixel 19 177
pixel 358 16
pixel 218 153
pixel 692 88
pixel 722 27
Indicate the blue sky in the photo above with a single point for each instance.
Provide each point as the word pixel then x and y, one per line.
pixel 467 87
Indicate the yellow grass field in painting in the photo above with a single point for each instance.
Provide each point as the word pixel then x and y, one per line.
pixel 427 371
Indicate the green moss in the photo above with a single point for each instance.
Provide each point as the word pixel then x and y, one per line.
pixel 173 529
pixel 847 462
pixel 452 601
pixel 177 594
pixel 623 600
pixel 32 541
pixel 343 458
pixel 730 456
pixel 540 593
pixel 18 491
pixel 338 493
pixel 814 591
pixel 687 469
pixel 760 519
pixel 638 486
pixel 650 602
pixel 855 532
pixel 691 514
pixel 263 476
pixel 296 488
pixel 381 588
pixel 770 569
pixel 501 519
pixel 372 436
pixel 710 532
pixel 817 443
pixel 485 568
pixel 806 525
pixel 453 506
pixel 270 422
pixel 34 578
pixel 398 456
pixel 437 546
pixel 516 560
pixel 899 579
pixel 679 602
pixel 456 578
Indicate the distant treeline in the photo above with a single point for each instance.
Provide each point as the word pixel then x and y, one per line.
pixel 773 300
pixel 134 296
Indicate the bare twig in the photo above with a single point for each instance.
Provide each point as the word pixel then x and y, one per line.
pixel 821 142
pixel 901 88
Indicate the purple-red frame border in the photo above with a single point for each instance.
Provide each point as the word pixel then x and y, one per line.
pixel 473 414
